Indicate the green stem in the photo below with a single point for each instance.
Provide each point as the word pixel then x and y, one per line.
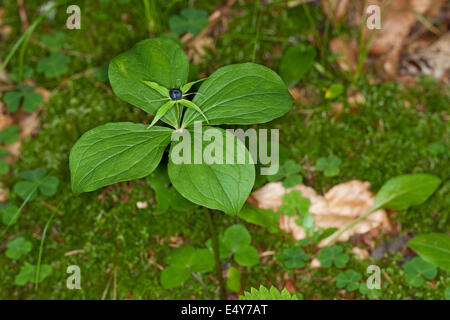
pixel 212 230
pixel 41 249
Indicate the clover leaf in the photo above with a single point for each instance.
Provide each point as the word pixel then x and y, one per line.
pixel 190 20
pixel 36 181
pixel 54 40
pixel 17 248
pixel 4 166
pixel 27 72
pixel 294 258
pixel 237 238
pixel 9 214
pixel 348 279
pixel 54 65
pixel 10 134
pixel 28 273
pixel 31 100
pixel 329 165
pixel 166 196
pixel 268 294
pixel 333 255
pixel 289 171
pixel 369 293
pixel 182 262
pixel 417 270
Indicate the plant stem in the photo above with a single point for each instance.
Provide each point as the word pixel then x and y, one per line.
pixel 212 230
pixel 41 249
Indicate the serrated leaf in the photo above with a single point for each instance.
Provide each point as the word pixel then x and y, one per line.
pixel 433 247
pixel 229 184
pixel 244 93
pixel 157 60
pixel 116 152
pixel 264 294
pixel 407 190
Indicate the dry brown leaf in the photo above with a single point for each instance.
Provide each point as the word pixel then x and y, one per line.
pixel 336 209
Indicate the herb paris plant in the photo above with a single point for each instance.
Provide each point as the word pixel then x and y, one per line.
pixel 153 77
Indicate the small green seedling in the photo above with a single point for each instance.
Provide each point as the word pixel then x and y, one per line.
pixel 17 248
pixel 28 273
pixel 333 255
pixel 329 165
pixel 268 294
pixel 24 94
pixel 293 258
pixel 190 20
pixel 182 262
pixel 349 280
pixel 418 270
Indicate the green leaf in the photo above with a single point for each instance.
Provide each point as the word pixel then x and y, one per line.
pixel 329 165
pixel 163 91
pixel 202 260
pixel 116 152
pixel 4 152
pixel 224 250
pixel 417 270
pixel 54 40
pixel 294 258
pixel 294 204
pixel 36 180
pixel 10 134
pixel 334 91
pixel 296 62
pixel 10 215
pixel 223 186
pixel 54 65
pixel 433 247
pixel 157 60
pixel 236 237
pixel 246 256
pixel 181 256
pixel 292 180
pixel 12 100
pixel 244 93
pixel 26 190
pixel 185 88
pixel 233 279
pixel 264 218
pixel 407 190
pixel 372 294
pixel 333 255
pixel 162 111
pixel 174 276
pixel 31 101
pixel 4 167
pixel 447 293
pixel 190 20
pixel 28 273
pixel 193 106
pixel 17 248
pixel 264 294
pixel 49 186
pixel 34 175
pixel 348 280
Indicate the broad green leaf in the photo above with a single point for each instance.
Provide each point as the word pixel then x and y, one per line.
pixel 407 190
pixel 181 256
pixel 116 152
pixel 296 61
pixel 17 248
pixel 163 91
pixel 28 273
pixel 433 247
pixel 246 93
pixel 190 20
pixel 157 60
pixel 224 250
pixel 202 260
pixel 246 256
pixel 36 180
pixel 10 134
pixel 223 186
pixel 174 276
pixel 264 218
pixel 54 65
pixel 12 100
pixel 294 204
pixel 233 279
pixel 236 236
pixel 264 294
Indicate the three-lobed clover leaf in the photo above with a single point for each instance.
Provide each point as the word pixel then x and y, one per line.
pixel 190 20
pixel 237 239
pixel 36 181
pixel 10 134
pixel 349 280
pixel 329 165
pixel 9 214
pixel 372 294
pixel 4 166
pixel 417 270
pixel 294 258
pixel 54 65
pixel 152 76
pixel 290 173
pixel 25 94
pixel 28 273
pixel 182 262
pixel 17 248
pixel 268 294
pixel 333 255
pixel 54 40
